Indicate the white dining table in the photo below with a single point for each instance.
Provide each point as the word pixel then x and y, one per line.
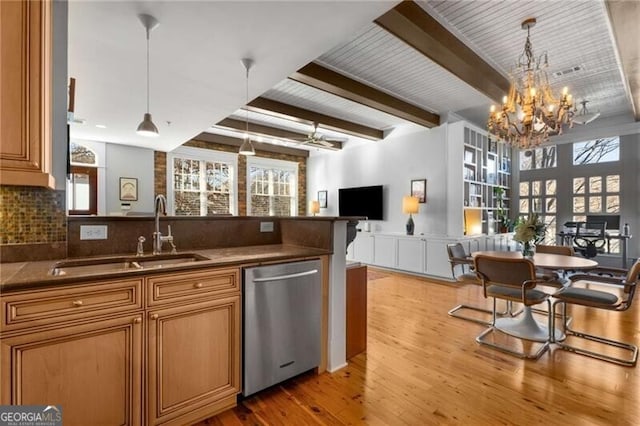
pixel 525 326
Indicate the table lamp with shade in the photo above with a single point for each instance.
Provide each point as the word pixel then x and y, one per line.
pixel 314 207
pixel 410 205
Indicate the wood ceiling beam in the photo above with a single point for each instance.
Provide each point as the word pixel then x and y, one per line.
pixel 260 129
pixel 625 18
pixel 322 78
pixel 274 132
pixel 411 24
pixel 282 110
pixel 259 146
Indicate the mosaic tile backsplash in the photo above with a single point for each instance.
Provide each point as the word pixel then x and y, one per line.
pixel 32 215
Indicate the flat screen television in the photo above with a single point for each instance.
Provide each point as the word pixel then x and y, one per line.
pixel 361 201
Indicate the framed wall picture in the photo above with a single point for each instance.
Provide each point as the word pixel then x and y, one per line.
pixel 322 199
pixel 419 189
pixel 128 189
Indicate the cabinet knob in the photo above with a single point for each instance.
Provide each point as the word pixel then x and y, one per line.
pixel 198 285
pixel 77 303
pixel 154 316
pixel 137 320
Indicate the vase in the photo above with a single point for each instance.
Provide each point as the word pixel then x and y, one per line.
pixel 528 249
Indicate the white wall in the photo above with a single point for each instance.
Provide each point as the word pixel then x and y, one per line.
pixel 60 81
pixel 393 163
pixel 131 162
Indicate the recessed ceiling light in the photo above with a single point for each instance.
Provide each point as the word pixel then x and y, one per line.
pixel 101 126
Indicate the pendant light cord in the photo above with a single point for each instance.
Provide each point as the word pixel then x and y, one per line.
pixel 147 70
pixel 246 106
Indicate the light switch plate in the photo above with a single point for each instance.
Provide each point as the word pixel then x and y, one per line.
pixel 266 226
pixel 93 232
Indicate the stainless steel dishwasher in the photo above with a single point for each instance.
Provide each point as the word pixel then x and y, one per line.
pixel 282 315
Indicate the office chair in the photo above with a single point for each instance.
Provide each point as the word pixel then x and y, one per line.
pixel 590 238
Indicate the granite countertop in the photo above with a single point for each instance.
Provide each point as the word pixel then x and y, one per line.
pixel 28 275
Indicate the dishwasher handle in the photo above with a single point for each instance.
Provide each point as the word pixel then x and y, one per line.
pixel 285 277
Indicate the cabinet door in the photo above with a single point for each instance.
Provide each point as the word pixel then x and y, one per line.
pixel 25 86
pixel 193 360
pixel 363 248
pixel 92 370
pixel 437 259
pixel 411 254
pixel 384 251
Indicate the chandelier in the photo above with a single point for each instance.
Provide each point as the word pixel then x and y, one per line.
pixel 530 113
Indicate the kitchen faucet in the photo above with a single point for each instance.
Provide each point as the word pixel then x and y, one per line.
pixel 160 206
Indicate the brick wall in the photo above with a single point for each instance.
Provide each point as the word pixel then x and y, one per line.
pixel 161 172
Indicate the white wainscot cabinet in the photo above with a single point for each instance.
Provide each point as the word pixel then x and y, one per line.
pixel 426 255
pixel 500 242
pixel 361 249
pixel 384 251
pixel 437 259
pixel 411 254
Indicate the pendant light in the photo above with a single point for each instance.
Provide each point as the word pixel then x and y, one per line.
pixel 147 128
pixel 247 147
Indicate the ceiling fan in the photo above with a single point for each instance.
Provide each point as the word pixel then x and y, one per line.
pixel 316 138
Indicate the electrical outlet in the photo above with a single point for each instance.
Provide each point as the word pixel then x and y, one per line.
pixel 93 232
pixel 266 226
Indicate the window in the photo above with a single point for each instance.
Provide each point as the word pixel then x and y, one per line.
pixel 538 158
pixel 81 155
pixel 202 182
pixel 597 195
pixel 82 191
pixel 597 151
pixel 539 196
pixel 82 183
pixel 272 187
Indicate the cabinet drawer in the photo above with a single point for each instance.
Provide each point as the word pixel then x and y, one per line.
pixel 191 285
pixel 49 306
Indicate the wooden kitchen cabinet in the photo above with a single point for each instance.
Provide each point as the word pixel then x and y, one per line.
pixel 25 93
pixel 192 286
pixel 356 309
pixel 193 360
pixel 93 370
pixel 98 347
pixel 193 341
pixel 74 302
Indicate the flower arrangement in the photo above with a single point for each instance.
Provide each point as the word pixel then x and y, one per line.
pixel 529 232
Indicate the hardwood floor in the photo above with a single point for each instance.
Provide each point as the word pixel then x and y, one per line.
pixel 423 367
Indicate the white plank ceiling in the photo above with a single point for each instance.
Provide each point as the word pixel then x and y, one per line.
pixel 574 33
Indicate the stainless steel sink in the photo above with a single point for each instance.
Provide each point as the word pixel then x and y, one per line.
pixel 122 263
pixel 162 260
